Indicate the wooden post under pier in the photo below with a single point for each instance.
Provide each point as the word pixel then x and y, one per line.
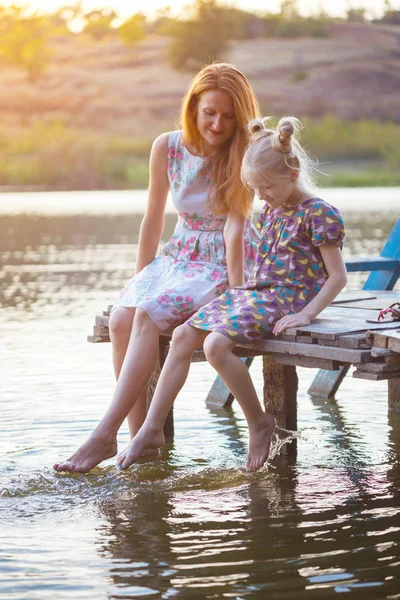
pixel 394 395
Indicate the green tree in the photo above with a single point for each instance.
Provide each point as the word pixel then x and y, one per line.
pixel 133 30
pixel 289 9
pixel 24 38
pixel 356 15
pixel 64 17
pixel 98 22
pixel 203 38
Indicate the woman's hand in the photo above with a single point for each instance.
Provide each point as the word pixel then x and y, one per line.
pixel 292 320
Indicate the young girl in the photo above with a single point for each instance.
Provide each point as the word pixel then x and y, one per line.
pixel 299 270
pixel 213 245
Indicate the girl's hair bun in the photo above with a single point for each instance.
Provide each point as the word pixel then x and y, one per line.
pixel 287 128
pixel 255 126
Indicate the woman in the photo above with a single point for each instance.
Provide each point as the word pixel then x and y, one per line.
pixel 213 246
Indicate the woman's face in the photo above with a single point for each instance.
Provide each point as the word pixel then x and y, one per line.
pixel 216 120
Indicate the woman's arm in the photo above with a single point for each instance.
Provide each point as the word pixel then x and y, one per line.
pixel 152 224
pixel 234 242
pixel 337 279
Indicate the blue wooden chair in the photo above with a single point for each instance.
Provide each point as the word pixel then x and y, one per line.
pixel 384 273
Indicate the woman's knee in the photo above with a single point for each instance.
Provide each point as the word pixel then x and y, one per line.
pixel 215 348
pixel 143 324
pixel 120 322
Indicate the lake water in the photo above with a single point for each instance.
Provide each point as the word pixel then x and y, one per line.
pixel 190 523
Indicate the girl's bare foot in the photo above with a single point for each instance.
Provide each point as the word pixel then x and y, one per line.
pixel 147 441
pixel 260 442
pixel 96 449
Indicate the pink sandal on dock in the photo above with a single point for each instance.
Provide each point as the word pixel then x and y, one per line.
pixel 388 315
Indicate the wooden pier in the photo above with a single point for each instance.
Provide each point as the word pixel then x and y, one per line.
pixel 345 334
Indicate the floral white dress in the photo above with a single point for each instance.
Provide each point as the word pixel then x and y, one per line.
pixel 191 269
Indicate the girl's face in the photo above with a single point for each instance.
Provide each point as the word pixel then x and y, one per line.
pixel 215 119
pixel 277 191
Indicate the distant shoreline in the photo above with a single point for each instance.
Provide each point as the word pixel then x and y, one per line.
pixel 133 202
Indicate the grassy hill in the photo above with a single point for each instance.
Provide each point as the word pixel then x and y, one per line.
pixel 104 97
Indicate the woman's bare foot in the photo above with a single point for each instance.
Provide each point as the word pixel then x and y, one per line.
pixel 147 441
pixel 96 449
pixel 260 442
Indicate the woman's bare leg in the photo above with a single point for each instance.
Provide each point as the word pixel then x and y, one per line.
pixel 138 366
pixel 185 340
pixel 121 322
pixel 218 351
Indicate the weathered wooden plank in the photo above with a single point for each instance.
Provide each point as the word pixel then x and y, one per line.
pixel 326 383
pixel 356 340
pixel 97 340
pixel 383 300
pixel 357 374
pixel 377 367
pixel 102 320
pixel 306 361
pixel 354 296
pixel 380 352
pixel 344 355
pixel 392 358
pixel 388 339
pixel 394 341
pixel 334 321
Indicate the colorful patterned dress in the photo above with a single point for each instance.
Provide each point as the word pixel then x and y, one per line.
pixel 289 272
pixel 191 269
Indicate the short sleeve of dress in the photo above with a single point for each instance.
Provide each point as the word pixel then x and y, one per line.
pixel 325 225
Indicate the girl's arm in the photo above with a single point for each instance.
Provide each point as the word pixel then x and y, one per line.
pixel 234 242
pixel 152 224
pixel 337 279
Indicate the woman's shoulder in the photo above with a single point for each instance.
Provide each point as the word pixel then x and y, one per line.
pixel 167 139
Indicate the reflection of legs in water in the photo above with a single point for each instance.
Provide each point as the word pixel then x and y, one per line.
pixel 185 340
pixel 137 368
pixel 218 351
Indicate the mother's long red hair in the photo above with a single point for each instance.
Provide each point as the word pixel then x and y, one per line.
pixel 230 193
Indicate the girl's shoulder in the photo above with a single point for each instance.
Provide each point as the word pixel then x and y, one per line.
pixel 317 207
pixel 323 223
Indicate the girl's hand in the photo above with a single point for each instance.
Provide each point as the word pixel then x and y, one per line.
pixel 293 320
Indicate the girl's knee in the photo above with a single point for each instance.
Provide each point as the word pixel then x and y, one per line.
pixel 215 347
pixel 120 322
pixel 185 339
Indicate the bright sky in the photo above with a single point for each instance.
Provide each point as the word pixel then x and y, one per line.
pixel 126 8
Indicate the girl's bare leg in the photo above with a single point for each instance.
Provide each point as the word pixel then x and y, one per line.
pixel 185 340
pixel 121 322
pixel 138 366
pixel 218 351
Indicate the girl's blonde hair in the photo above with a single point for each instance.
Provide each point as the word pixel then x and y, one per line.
pixel 277 150
pixel 230 193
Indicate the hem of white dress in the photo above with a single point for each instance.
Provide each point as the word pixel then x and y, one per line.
pixel 159 327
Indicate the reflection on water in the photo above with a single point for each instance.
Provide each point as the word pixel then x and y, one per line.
pixel 190 523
